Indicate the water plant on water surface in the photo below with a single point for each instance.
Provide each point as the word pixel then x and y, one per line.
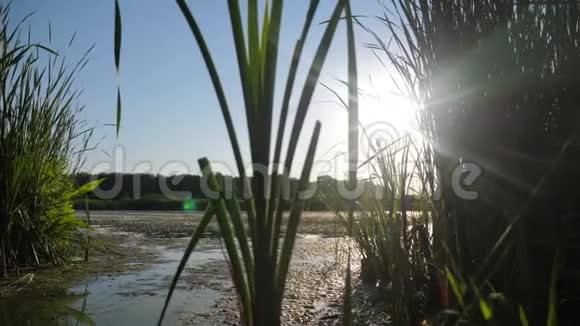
pixel 259 265
pixel 40 136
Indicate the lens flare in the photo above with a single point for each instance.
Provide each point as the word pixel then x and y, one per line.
pixel 189 205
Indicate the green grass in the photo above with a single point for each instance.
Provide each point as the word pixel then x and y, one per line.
pixel 489 75
pixel 259 273
pixel 391 236
pixel 456 60
pixel 41 138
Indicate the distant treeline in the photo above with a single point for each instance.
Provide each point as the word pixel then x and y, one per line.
pixel 128 191
pixel 116 186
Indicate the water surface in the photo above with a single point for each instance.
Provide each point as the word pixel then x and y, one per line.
pixel 132 298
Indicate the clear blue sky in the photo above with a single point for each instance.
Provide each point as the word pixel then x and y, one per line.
pixel 170 112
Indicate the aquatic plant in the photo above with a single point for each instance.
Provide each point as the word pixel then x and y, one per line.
pixel 390 225
pixel 40 138
pixel 454 57
pixel 259 261
pixel 496 84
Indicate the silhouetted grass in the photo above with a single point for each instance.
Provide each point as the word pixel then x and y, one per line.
pixel 259 262
pixel 497 86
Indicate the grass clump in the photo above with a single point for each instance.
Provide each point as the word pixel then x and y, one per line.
pixel 259 260
pixel 40 134
pixel 495 84
pixel 390 231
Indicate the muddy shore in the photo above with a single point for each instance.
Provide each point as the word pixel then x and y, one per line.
pixel 182 224
pixel 148 245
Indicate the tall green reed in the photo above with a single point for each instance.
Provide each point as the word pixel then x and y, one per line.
pixel 40 137
pixel 353 151
pixel 494 80
pixel 477 305
pixel 390 225
pixel 259 261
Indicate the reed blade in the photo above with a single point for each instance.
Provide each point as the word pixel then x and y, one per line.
pixel 311 82
pixel 117 45
pixel 238 272
pixel 276 220
pixel 197 235
pixel 210 65
pixel 353 120
pixel 294 219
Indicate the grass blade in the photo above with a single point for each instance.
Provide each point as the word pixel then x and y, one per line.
pixel 523 316
pixel 311 82
pixel 199 230
pixel 118 121
pixel 352 152
pixel 347 297
pixel 254 51
pixel 272 28
pixel 210 65
pixel 456 287
pixel 118 35
pixel 270 67
pixel 294 220
pixel 87 187
pixel 242 57
pixel 239 274
pixel 243 240
pixel 292 77
pixel 352 98
pixel 281 128
pixel 88 215
pixel 553 294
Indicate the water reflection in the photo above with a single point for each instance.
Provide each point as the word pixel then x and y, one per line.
pixel 132 298
pixel 53 310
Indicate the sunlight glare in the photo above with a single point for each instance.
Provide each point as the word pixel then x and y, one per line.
pixel 380 101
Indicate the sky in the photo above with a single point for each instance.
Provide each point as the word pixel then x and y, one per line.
pixel 170 115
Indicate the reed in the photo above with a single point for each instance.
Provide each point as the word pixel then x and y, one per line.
pixel 495 84
pixel 391 232
pixel 40 138
pixel 259 259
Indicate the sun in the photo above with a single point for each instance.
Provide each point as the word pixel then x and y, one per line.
pixel 380 102
pixel 384 117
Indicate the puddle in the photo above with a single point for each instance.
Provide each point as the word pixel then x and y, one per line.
pixel 136 297
pixel 132 298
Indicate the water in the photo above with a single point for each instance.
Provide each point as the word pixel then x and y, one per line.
pixel 133 298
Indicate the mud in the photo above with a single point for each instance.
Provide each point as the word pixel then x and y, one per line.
pixel 133 261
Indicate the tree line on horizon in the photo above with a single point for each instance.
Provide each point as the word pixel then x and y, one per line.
pixel 145 191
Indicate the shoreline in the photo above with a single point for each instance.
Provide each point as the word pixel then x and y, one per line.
pixel 140 245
